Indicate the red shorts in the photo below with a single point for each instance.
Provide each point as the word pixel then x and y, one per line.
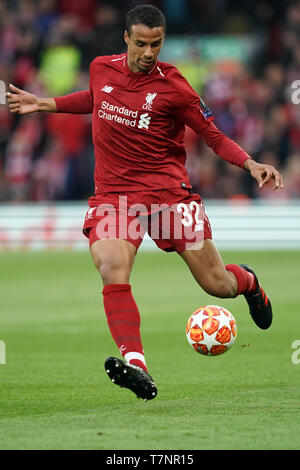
pixel 173 218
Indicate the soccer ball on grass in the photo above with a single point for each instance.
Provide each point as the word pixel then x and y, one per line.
pixel 211 330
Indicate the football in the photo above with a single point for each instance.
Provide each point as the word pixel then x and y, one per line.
pixel 211 330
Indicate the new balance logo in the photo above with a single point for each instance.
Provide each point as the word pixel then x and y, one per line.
pixel 144 121
pixel 107 89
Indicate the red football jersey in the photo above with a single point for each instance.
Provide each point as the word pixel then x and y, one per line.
pixel 138 125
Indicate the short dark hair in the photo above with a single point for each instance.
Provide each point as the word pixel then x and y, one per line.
pixel 149 15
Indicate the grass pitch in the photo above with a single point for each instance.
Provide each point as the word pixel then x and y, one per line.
pixel 54 392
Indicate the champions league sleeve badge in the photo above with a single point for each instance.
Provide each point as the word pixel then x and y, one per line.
pixel 205 110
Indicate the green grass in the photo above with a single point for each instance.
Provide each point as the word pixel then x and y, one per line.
pixel 54 393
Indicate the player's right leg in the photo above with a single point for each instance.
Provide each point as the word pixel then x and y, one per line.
pixel 114 260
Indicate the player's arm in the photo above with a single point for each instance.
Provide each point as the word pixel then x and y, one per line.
pixel 264 173
pixel 198 117
pixel 80 102
pixel 230 151
pixel 22 102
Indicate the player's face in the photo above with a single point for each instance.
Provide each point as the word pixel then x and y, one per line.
pixel 144 45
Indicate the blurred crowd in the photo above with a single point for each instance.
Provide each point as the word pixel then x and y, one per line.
pixel 46 47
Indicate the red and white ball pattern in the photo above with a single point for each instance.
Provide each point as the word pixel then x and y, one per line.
pixel 211 330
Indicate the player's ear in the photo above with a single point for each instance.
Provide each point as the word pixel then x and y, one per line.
pixel 126 37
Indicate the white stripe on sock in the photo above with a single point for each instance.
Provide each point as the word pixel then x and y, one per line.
pixel 135 355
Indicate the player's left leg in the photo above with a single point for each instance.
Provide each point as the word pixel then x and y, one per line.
pixel 222 281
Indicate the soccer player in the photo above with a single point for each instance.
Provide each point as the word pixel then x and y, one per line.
pixel 140 108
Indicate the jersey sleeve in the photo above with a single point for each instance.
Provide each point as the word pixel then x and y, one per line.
pixel 223 146
pixel 189 107
pixel 195 114
pixel 80 102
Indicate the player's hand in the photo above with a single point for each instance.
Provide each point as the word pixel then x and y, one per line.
pixel 264 173
pixel 20 101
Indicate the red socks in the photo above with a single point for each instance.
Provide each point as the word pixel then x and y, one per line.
pixel 246 281
pixel 123 319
